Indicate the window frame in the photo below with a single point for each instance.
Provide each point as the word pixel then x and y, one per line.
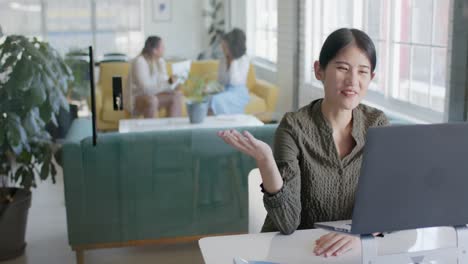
pixel 45 31
pixel 383 99
pixel 253 30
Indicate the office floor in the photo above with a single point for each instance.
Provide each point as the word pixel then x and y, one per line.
pixel 47 237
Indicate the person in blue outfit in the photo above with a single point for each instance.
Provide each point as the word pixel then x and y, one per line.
pixel 232 74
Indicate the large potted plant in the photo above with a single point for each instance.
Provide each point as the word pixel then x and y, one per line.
pixel 198 90
pixel 33 82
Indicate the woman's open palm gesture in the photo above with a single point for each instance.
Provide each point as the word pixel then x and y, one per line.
pixel 246 143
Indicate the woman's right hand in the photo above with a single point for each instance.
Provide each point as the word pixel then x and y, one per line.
pixel 261 152
pixel 247 144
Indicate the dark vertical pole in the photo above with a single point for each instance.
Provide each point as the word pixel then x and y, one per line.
pixel 93 98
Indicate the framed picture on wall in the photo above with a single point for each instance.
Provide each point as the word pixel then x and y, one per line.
pixel 162 10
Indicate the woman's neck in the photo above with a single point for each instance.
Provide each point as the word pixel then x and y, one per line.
pixel 339 119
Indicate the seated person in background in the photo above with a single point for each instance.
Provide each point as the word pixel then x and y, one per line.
pixel 232 74
pixel 312 172
pixel 149 88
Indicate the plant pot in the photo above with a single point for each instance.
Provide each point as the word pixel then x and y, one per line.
pixel 197 111
pixel 13 220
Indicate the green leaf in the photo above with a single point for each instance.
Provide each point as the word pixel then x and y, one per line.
pixel 65 105
pixel 3 130
pixel 53 119
pixel 218 6
pixel 27 178
pixel 20 78
pixel 25 157
pixel 16 135
pixel 55 101
pixel 45 169
pixel 18 173
pixel 64 88
pixel 48 82
pixel 53 172
pixel 34 52
pixel 33 123
pixel 44 67
pixel 66 69
pixel 38 92
pixel 45 111
pixel 5 47
pixel 9 62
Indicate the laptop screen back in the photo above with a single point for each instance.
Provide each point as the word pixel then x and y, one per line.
pixel 412 177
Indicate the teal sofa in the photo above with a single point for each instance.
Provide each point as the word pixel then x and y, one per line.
pixel 152 187
pixel 135 188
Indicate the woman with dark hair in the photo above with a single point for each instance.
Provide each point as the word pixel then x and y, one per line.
pixel 312 173
pixel 149 87
pixel 232 74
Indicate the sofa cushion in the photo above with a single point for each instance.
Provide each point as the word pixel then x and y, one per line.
pixel 251 79
pixel 205 68
pixel 255 105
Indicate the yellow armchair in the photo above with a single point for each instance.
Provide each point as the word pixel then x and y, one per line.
pixel 263 95
pixel 106 117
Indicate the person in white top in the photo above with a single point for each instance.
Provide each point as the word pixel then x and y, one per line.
pixel 149 87
pixel 232 73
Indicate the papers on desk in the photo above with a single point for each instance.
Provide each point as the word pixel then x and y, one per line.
pixel 181 71
pixel 243 261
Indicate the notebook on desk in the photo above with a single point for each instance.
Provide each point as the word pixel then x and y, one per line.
pixel 412 176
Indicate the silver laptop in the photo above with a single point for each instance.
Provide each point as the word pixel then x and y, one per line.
pixel 412 176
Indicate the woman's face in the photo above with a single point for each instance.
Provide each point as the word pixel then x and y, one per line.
pixel 159 51
pixel 346 77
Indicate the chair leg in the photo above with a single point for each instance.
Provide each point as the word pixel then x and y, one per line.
pixel 79 256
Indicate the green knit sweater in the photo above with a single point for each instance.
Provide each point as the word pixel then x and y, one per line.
pixel 318 185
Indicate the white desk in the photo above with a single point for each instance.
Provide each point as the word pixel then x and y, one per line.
pixel 298 247
pixel 177 123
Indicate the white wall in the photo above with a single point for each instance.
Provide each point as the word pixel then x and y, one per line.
pixel 184 35
pixel 237 15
